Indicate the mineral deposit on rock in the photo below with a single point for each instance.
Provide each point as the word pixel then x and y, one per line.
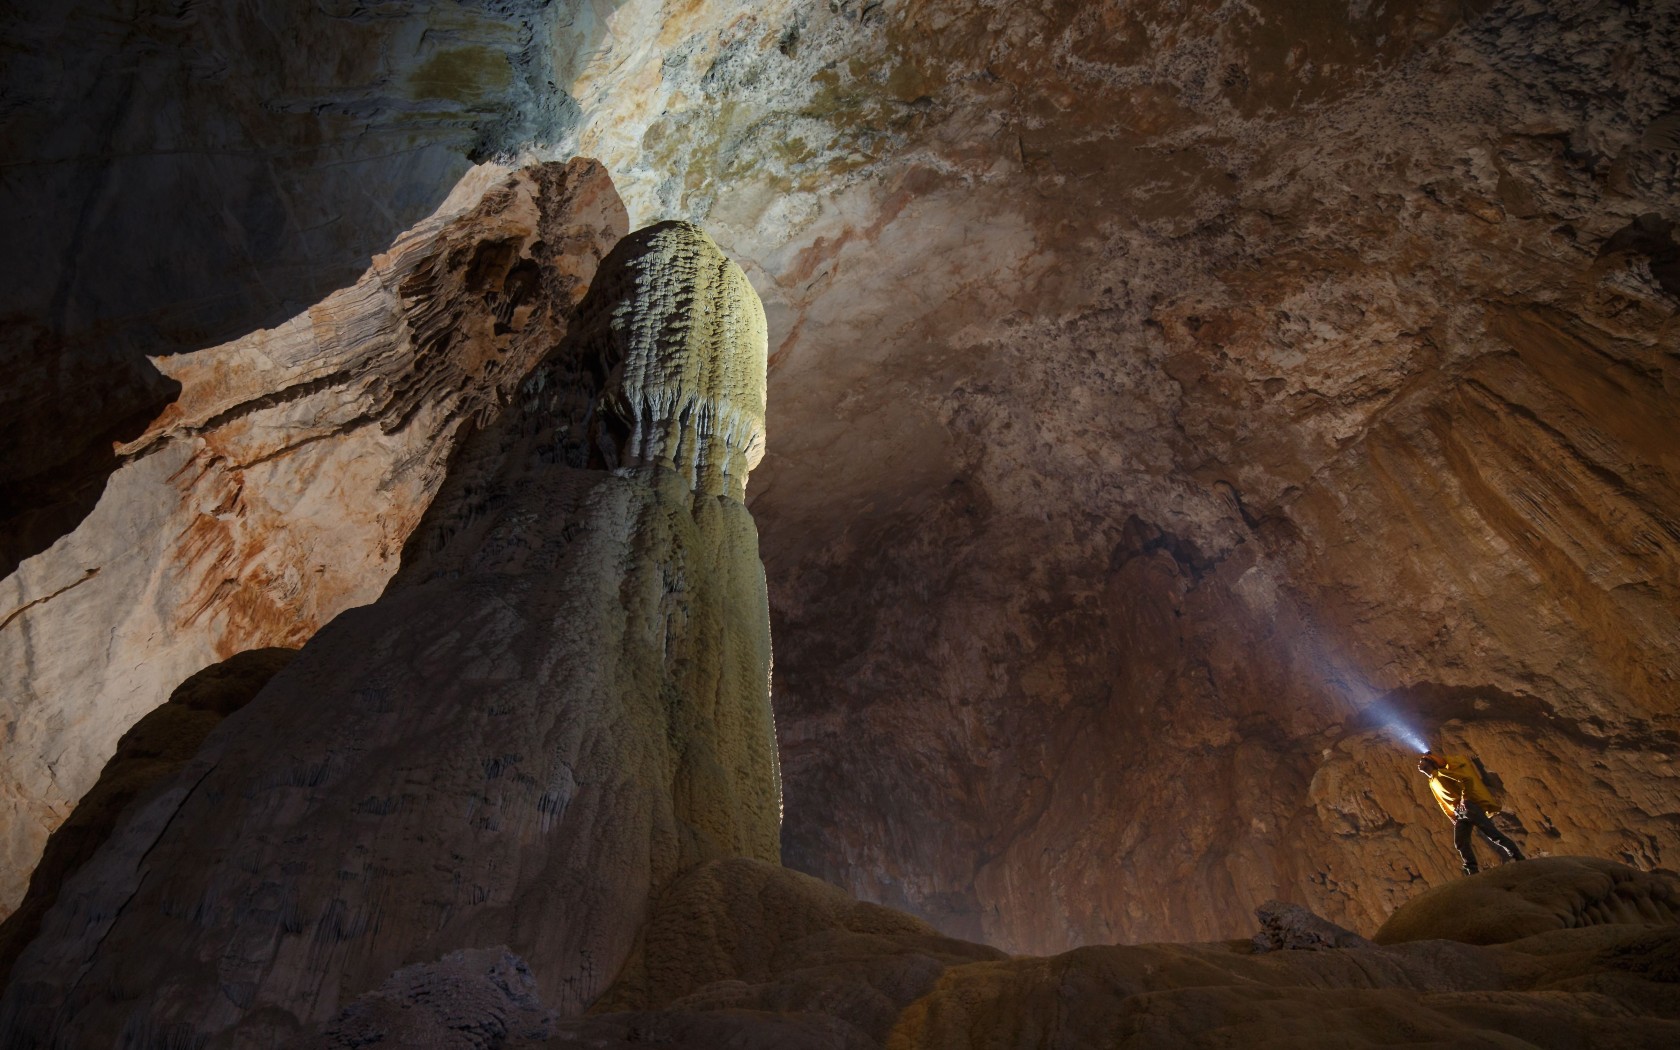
pixel 1536 897
pixel 472 998
pixel 1183 379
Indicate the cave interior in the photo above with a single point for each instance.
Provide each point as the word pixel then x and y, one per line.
pixel 1165 419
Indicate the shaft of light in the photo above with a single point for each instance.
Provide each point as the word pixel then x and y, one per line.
pixel 1396 724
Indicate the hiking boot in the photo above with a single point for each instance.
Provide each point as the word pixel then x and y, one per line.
pixel 1471 869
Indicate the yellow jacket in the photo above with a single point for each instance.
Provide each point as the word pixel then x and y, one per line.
pixel 1456 781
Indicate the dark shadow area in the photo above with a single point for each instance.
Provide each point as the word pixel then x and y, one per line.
pixel 176 175
pixel 59 433
pixel 574 371
pixel 150 753
pixel 1652 237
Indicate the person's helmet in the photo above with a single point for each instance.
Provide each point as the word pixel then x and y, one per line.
pixel 1429 762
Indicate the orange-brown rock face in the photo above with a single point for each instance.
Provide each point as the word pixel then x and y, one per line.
pixel 279 488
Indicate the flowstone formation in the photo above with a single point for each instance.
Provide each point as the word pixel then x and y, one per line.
pixel 559 704
pixel 279 487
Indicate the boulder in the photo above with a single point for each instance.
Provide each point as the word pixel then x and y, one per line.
pixel 1519 900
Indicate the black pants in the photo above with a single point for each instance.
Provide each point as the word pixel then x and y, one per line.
pixel 1471 816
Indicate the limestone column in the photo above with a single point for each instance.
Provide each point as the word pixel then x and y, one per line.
pixel 561 701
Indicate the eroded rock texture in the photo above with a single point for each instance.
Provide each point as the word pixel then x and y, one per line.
pixel 1536 897
pixel 469 999
pixel 279 487
pixel 560 703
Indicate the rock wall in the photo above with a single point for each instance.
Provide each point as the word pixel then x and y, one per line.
pixel 1191 386
pixel 152 751
pixel 559 705
pixel 279 487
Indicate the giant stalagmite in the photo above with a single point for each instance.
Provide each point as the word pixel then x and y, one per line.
pixel 560 703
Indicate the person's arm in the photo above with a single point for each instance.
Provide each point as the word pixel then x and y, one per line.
pixel 1440 791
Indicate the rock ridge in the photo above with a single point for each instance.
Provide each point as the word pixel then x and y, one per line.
pixel 279 487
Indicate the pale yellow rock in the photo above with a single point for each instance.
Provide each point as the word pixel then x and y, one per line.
pixel 690 359
pixel 560 703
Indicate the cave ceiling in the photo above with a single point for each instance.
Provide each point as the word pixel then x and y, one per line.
pixel 1159 392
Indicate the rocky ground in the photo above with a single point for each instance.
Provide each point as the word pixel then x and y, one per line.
pixel 1552 953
